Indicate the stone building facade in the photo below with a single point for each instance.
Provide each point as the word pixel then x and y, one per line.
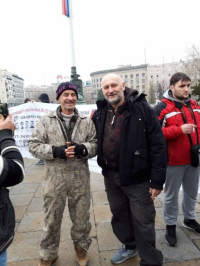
pixel 134 76
pixel 146 78
pixel 32 92
pixel 11 88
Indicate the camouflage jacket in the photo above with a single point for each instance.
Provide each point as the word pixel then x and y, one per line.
pixel 49 132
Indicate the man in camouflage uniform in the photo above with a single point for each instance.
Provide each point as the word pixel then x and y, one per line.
pixel 65 139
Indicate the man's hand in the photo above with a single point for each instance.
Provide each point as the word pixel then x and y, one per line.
pixel 188 128
pixel 70 151
pixel 76 150
pixel 154 192
pixel 7 123
pixel 59 152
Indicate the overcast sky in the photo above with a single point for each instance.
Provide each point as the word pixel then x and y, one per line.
pixel 34 35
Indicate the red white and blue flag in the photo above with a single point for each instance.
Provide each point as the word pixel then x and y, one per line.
pixel 65 7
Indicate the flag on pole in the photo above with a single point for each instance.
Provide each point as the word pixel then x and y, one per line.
pixel 65 7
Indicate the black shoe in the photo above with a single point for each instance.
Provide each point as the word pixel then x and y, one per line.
pixel 192 225
pixel 170 235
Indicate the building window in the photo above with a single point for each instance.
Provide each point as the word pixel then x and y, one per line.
pixel 137 81
pixel 94 80
pixel 126 76
pixel 157 76
pixel 137 88
pixel 143 81
pixel 131 76
pixel 131 82
pixel 137 75
pixel 143 74
pixel 143 87
pixel 100 79
pixel 151 76
pixel 97 80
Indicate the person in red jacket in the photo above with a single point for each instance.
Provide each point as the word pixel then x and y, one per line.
pixel 179 117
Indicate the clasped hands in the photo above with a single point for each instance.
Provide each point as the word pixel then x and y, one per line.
pixel 74 150
pixel 70 153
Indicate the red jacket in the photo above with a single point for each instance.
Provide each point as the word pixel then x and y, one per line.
pixel 169 112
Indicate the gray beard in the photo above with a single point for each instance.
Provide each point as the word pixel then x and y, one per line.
pixel 114 102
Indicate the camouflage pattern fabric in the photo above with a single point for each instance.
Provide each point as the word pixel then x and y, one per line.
pixel 64 179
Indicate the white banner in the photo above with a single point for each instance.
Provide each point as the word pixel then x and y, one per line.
pixel 25 117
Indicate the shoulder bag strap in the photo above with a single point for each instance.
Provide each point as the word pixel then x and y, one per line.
pixel 185 122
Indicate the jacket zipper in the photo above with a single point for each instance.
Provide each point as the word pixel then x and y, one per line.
pixel 4 217
pixel 5 244
pixel 76 127
pixel 112 122
pixel 170 149
pixel 63 130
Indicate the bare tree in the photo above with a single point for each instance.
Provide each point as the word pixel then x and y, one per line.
pixel 100 95
pixel 196 91
pixel 152 98
pixel 192 64
pixel 160 89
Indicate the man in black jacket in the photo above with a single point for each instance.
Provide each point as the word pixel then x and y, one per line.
pixel 132 154
pixel 11 173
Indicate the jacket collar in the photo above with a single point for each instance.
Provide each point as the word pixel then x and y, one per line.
pixel 131 96
pixel 168 95
pixel 57 111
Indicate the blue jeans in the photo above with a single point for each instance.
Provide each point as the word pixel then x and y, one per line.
pixel 3 259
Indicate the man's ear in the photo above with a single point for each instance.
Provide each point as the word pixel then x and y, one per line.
pixel 123 86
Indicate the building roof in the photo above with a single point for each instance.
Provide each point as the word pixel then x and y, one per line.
pixel 121 68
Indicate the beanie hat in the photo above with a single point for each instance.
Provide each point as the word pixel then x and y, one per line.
pixel 65 86
pixel 44 98
pixel 27 100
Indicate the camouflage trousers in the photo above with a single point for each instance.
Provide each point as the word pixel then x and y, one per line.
pixel 60 184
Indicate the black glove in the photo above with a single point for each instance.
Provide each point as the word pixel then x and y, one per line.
pixel 59 152
pixel 80 150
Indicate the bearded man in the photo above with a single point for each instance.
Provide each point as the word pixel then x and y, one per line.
pixel 132 154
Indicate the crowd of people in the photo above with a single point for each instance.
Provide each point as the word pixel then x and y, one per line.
pixel 140 150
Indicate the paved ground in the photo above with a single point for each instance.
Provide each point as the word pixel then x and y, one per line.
pixel 27 200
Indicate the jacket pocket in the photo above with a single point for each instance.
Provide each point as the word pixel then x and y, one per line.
pixel 140 158
pixel 7 218
pixel 145 211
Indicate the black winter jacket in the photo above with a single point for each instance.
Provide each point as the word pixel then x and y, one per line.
pixel 11 173
pixel 143 153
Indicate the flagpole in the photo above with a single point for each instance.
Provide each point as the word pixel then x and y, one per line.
pixel 73 63
pixel 67 11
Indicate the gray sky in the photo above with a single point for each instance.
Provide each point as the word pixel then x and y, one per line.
pixel 34 35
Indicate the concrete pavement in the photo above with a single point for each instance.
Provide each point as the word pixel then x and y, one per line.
pixel 27 201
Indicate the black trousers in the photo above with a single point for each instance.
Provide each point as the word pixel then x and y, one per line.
pixel 133 220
